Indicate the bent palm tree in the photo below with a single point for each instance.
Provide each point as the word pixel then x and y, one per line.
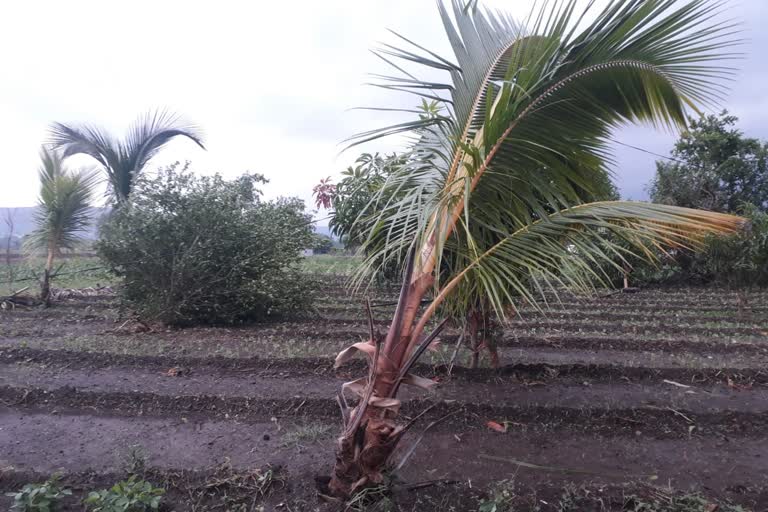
pixel 488 206
pixel 62 211
pixel 123 160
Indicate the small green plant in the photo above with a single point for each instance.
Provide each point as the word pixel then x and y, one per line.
pixel 39 497
pixel 501 496
pixel 130 495
pixel 134 460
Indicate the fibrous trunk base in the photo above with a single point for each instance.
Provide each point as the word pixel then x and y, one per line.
pixel 362 456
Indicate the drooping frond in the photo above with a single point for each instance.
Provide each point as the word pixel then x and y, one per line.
pixel 568 249
pixel 63 207
pixel 123 160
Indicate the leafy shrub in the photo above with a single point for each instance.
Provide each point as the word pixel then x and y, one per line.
pixel 130 495
pixel 194 250
pixel 39 497
pixel 739 260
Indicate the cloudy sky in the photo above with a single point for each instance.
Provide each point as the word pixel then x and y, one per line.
pixel 270 83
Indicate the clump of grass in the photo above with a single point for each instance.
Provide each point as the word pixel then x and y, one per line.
pixel 371 499
pixel 238 491
pixel 664 501
pixel 331 264
pixel 304 435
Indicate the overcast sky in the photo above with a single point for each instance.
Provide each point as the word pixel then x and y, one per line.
pixel 270 83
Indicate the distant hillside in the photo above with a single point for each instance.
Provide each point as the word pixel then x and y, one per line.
pixel 24 222
pixel 323 230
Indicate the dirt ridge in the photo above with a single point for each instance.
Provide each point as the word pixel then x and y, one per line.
pixel 324 366
pixel 655 422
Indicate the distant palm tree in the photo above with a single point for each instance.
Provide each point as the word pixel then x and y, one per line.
pixel 123 160
pixel 62 211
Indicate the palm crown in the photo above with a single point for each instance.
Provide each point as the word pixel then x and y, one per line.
pixel 493 190
pixel 63 207
pixel 123 160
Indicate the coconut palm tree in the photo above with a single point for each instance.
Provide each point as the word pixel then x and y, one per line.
pixel 489 206
pixel 62 211
pixel 123 160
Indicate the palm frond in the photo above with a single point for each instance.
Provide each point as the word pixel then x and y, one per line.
pixel 63 207
pixel 150 133
pixel 123 160
pixel 568 248
pixel 531 109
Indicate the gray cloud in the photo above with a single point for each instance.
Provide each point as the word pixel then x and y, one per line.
pixel 270 82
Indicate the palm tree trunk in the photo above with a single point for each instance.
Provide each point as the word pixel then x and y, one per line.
pixel 366 446
pixel 372 432
pixel 474 330
pixel 45 285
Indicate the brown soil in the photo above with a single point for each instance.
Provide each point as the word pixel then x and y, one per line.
pixel 597 418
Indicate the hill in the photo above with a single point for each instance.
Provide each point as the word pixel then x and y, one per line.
pixel 23 219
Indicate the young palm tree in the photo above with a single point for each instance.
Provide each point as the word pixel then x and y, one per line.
pixel 62 211
pixel 489 204
pixel 123 160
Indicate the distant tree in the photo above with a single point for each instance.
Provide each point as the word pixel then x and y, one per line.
pixel 62 212
pixel 356 196
pixel 739 260
pixel 717 168
pixel 123 160
pixel 321 244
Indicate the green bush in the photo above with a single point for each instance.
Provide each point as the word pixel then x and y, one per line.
pixel 204 250
pixel 739 260
pixel 130 495
pixel 39 497
pixel 321 244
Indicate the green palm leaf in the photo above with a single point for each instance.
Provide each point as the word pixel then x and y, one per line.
pixel 567 249
pixel 527 116
pixel 123 160
pixel 63 207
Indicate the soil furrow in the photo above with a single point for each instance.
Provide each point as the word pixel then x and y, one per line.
pixel 510 390
pixel 635 358
pixel 651 421
pixel 591 314
pixel 301 367
pixel 630 344
pixel 83 441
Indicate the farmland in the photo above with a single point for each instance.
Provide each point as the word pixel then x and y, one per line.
pixel 656 398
